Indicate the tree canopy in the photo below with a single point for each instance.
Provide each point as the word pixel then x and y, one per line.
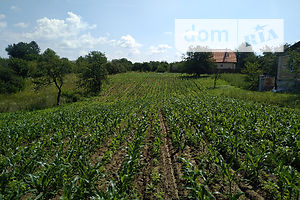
pixel 294 61
pixel 199 63
pixel 93 72
pixel 23 50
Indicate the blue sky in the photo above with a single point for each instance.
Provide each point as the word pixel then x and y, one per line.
pixel 140 30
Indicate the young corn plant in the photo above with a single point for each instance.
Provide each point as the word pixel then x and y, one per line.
pixel 230 177
pixel 235 145
pixel 192 177
pixel 254 164
pixel 288 182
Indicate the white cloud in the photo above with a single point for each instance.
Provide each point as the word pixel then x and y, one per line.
pixel 161 48
pixel 72 37
pixel 85 40
pixel 2 25
pixel 14 8
pixel 21 25
pixel 128 42
pixel 2 16
pixel 56 28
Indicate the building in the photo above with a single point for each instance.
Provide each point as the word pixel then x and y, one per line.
pixel 286 79
pixel 226 60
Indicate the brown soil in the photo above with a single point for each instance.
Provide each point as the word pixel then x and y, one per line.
pixel 168 172
pixel 144 178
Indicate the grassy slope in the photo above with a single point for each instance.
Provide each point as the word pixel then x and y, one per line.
pixel 232 85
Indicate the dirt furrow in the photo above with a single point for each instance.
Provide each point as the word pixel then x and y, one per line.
pixel 170 190
pixel 147 160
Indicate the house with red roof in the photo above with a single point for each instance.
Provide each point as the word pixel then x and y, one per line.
pixel 225 60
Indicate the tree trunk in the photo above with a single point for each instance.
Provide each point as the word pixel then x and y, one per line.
pixel 216 77
pixel 58 97
pixel 59 91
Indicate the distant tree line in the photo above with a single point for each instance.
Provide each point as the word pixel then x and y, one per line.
pixel 27 62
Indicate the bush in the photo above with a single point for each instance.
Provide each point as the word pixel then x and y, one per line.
pixel 252 71
pixel 9 81
pixel 71 96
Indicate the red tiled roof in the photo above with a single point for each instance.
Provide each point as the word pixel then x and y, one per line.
pixel 223 57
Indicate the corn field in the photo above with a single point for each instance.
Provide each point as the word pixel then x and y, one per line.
pixel 152 136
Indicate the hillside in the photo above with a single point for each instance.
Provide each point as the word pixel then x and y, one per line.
pixel 152 136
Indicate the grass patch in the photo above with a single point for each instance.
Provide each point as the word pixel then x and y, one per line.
pixel 237 80
pixel 291 100
pixel 28 99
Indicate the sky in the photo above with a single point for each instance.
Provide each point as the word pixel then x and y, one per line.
pixel 139 30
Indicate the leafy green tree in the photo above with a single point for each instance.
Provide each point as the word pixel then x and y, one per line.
pixel 243 57
pixel 177 67
pixel 163 67
pixel 146 67
pixel 294 61
pixel 154 65
pixel 9 81
pixel 110 68
pixel 93 72
pixel 119 66
pixel 126 64
pixel 20 66
pixel 22 50
pixel 137 66
pixel 199 63
pixel 252 71
pixel 269 62
pixel 52 69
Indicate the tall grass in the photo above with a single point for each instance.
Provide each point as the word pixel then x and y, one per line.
pixel 29 99
pixel 237 80
pixel 235 86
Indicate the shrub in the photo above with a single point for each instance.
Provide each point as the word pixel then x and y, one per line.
pixel 252 71
pixel 9 81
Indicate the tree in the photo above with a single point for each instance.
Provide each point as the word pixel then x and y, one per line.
pixel 199 63
pixel 22 50
pixel 126 64
pixel 146 67
pixel 111 68
pixel 294 61
pixel 20 66
pixel 163 67
pixel 9 81
pixel 269 62
pixel 93 72
pixel 177 67
pixel 137 66
pixel 243 57
pixel 252 71
pixel 154 65
pixel 52 69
